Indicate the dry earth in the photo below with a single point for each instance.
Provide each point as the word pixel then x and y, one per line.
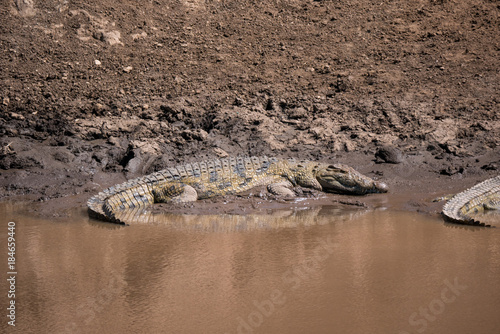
pixel 93 92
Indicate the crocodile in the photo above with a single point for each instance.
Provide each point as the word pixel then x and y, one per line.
pixel 218 177
pixel 462 207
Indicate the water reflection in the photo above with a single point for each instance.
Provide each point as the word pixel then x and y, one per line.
pixel 295 271
pixel 274 219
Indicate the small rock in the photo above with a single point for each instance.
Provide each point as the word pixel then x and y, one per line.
pixel 199 135
pixel 98 109
pixel 451 170
pixel 202 134
pixel 127 69
pixel 17 116
pixel 134 165
pixel 220 152
pixel 389 154
pixel 114 141
pixel 97 62
pixel 139 36
pixel 110 37
pixel 349 146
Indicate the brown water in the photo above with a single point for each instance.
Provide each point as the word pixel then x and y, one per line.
pixel 327 270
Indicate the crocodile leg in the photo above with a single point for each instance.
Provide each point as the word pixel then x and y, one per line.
pixel 493 204
pixel 282 189
pixel 175 192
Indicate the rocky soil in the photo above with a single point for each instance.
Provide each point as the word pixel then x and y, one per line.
pixel 94 92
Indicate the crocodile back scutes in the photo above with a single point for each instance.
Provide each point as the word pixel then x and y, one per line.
pixel 209 177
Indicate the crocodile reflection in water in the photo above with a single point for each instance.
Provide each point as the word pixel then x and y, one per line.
pixel 284 218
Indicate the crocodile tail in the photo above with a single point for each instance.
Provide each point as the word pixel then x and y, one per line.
pixel 462 207
pixel 110 203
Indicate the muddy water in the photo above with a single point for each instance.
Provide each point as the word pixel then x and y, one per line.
pixel 328 270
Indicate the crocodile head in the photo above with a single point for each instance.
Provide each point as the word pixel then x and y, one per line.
pixel 343 179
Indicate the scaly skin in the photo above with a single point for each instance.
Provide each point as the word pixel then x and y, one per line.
pixel 212 178
pixel 462 207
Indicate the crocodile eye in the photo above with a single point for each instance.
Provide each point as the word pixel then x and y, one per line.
pixel 336 169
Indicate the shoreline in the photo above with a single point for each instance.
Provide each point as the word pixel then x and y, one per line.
pixel 412 187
